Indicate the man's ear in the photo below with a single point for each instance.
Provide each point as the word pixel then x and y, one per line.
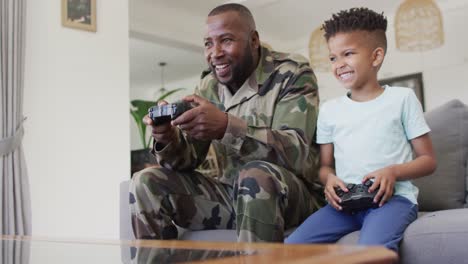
pixel 255 39
pixel 378 57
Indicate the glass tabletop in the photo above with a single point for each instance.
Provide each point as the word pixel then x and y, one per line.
pixel 35 250
pixel 54 252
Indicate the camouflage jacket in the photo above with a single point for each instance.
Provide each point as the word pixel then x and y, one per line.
pixel 272 117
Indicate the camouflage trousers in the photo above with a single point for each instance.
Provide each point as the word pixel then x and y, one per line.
pixel 265 200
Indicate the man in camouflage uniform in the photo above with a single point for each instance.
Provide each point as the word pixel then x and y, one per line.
pixel 258 108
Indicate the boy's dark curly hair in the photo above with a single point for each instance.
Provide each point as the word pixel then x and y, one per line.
pixel 356 19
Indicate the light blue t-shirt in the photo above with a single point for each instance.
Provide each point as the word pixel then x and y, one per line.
pixel 371 135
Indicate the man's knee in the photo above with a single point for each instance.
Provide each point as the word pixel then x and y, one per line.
pixel 157 180
pixel 259 179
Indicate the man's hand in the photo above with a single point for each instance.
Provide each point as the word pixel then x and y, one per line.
pixel 162 133
pixel 205 121
pixel 385 178
pixel 332 182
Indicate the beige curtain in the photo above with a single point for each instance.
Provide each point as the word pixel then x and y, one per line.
pixel 15 207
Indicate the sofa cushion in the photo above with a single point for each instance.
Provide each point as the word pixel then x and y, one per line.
pixel 437 237
pixel 446 187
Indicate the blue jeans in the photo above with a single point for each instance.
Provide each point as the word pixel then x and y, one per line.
pixel 380 226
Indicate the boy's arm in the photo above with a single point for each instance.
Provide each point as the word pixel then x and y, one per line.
pixel 328 177
pixel 424 164
pixel 417 130
pixel 327 162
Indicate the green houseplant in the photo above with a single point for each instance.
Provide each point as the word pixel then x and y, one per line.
pixel 142 158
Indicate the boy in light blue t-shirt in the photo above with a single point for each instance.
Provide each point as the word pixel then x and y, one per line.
pixel 368 134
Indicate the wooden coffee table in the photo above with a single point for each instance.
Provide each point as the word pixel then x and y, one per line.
pixel 45 250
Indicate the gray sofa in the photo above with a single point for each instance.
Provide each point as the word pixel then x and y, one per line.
pixel 440 234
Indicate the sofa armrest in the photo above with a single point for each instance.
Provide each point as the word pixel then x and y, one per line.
pixel 437 237
pixel 126 231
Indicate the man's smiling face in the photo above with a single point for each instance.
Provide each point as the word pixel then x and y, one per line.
pixel 229 49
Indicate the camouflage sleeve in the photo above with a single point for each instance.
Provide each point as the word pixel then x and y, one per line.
pixel 183 154
pixel 290 142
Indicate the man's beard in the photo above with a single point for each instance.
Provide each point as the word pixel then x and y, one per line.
pixel 240 71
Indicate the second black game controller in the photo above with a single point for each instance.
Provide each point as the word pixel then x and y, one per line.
pixel 358 197
pixel 161 114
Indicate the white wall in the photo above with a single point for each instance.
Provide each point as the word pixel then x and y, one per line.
pixel 77 138
pixel 445 69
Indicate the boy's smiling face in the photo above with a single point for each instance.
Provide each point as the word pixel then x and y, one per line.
pixel 355 59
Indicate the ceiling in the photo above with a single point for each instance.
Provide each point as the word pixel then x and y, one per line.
pixel 172 31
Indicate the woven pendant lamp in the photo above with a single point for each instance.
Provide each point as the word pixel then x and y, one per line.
pixel 418 26
pixel 318 51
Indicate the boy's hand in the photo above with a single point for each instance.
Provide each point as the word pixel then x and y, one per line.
pixel 332 182
pixel 385 178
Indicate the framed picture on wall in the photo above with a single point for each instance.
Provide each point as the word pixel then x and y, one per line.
pixel 413 81
pixel 80 14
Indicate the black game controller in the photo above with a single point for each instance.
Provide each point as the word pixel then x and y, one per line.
pixel 358 197
pixel 161 114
